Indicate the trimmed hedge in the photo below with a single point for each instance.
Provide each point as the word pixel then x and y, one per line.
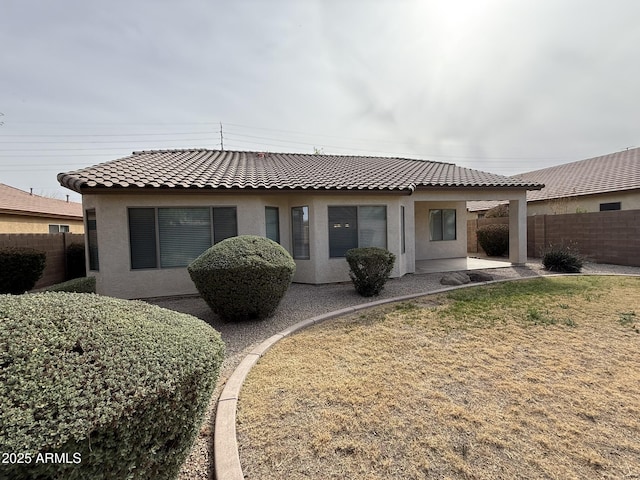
pixel 118 386
pixel 20 269
pixel 370 268
pixel 564 259
pixel 243 277
pixel 494 239
pixel 76 266
pixel 77 285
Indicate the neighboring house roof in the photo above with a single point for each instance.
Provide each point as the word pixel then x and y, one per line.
pixel 609 173
pixel 18 202
pixel 214 169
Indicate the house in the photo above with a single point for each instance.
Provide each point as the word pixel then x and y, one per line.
pixel 23 212
pixel 609 182
pixel 150 214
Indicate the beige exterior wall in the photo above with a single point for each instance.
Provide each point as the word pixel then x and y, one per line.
pixel 116 278
pixel 427 249
pixel 585 203
pixel 10 223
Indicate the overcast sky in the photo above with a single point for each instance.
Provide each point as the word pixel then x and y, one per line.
pixel 505 86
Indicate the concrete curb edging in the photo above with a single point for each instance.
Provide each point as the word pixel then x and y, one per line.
pixel 225 444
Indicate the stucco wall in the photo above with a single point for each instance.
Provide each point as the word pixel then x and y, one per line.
pixel 427 249
pixel 116 278
pixel 27 224
pixel 584 204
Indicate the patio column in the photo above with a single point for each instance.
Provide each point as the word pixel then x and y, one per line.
pixel 518 230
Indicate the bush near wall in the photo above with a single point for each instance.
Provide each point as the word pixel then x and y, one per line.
pixel 76 266
pixel 20 269
pixel 77 285
pixel 370 268
pixel 243 277
pixel 494 239
pixel 118 386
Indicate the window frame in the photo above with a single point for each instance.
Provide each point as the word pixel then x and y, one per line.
pixel 93 253
pixel 305 254
pixel 359 225
pixel 156 237
pixel 275 210
pixel 60 228
pixel 610 206
pixel 443 225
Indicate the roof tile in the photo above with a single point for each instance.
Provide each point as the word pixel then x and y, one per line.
pixel 217 169
pixel 608 173
pixel 18 201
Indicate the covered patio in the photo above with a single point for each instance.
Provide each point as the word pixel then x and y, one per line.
pixel 458 264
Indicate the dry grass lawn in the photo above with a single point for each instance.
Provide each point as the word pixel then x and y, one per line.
pixel 522 380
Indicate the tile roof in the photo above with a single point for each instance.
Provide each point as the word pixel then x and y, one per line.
pixel 609 173
pixel 19 202
pixel 214 169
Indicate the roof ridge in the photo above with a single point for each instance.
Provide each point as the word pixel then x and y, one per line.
pixel 263 152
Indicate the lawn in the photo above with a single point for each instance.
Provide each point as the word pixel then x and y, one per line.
pixel 529 379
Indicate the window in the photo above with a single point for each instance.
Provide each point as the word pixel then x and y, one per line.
pixel 174 237
pixel 605 207
pixel 403 238
pixel 353 226
pixel 92 240
pixel 58 228
pixel 300 229
pixel 184 233
pixel 442 224
pixel 272 220
pixel 142 238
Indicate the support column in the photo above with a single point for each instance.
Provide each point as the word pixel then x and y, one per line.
pixel 518 230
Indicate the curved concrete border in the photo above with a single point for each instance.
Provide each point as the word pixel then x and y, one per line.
pixel 225 444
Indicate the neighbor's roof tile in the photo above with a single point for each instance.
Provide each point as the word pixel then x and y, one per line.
pixel 16 201
pixel 609 173
pixel 214 169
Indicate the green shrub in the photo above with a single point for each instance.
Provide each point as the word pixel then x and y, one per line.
pixel 76 266
pixel 498 211
pixel 78 285
pixel 243 277
pixel 370 268
pixel 20 269
pixel 121 386
pixel 494 239
pixel 563 258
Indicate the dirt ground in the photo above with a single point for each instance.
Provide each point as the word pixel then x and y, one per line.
pixel 519 380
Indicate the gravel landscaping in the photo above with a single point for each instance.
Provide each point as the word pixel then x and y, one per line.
pixel 305 301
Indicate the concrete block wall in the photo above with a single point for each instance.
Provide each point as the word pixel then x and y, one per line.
pixel 602 237
pixel 53 244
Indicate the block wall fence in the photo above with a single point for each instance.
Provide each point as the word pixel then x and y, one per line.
pixel 53 244
pixel 602 237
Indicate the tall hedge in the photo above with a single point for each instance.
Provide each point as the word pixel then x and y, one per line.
pixel 117 389
pixel 20 269
pixel 243 277
pixel 76 265
pixel 494 239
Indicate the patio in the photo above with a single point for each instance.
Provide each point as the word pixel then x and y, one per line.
pixel 459 264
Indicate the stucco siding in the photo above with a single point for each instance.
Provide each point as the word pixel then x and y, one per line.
pixel 427 249
pixel 629 200
pixel 10 223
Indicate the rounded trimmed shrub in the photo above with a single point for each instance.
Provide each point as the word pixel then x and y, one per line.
pixel 20 269
pixel 243 277
pixel 370 268
pixel 494 239
pixel 115 388
pixel 562 259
